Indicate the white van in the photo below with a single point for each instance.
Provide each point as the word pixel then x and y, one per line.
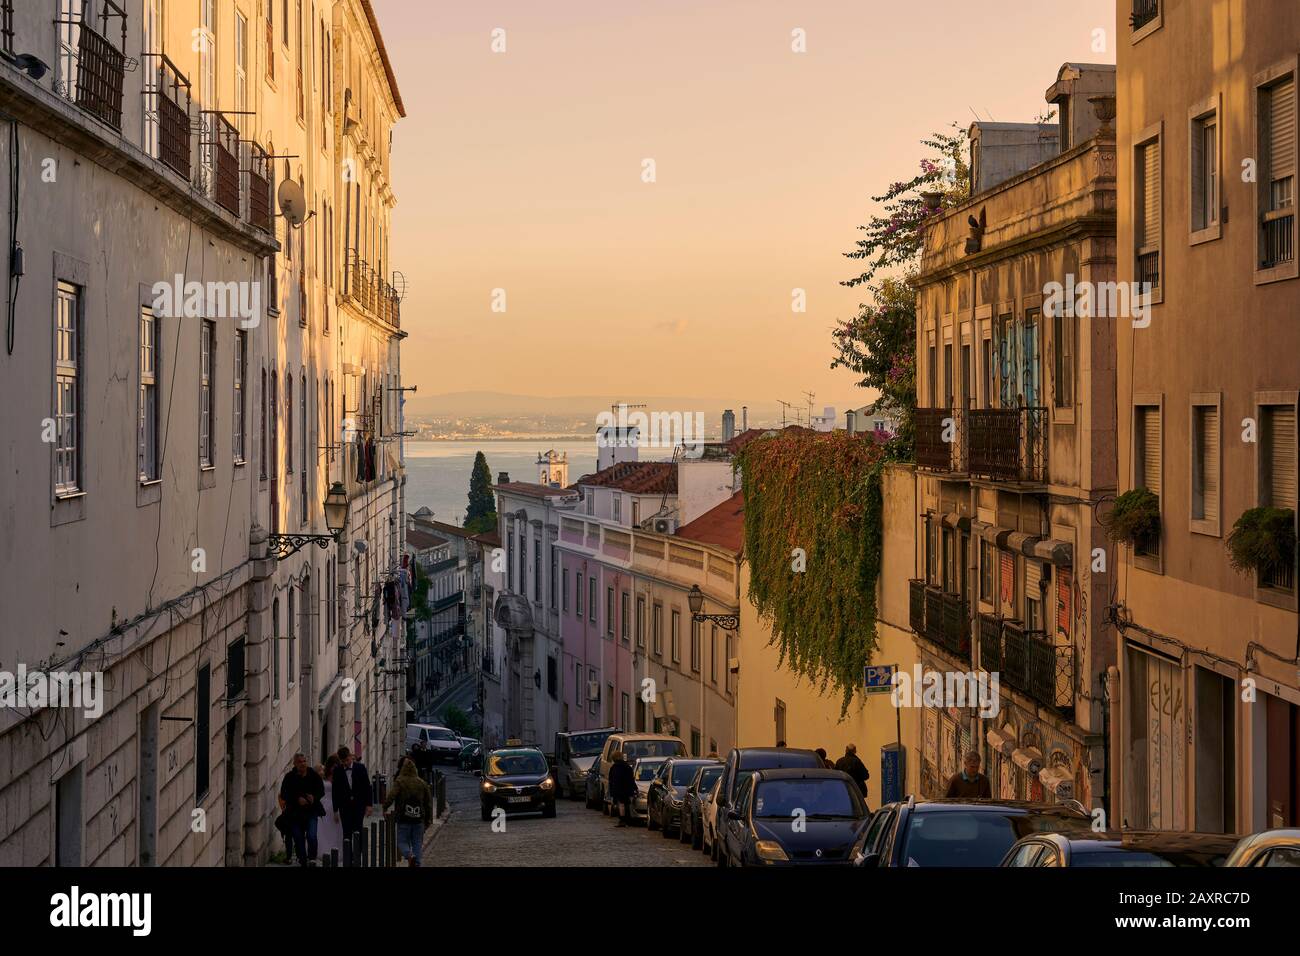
pixel 634 747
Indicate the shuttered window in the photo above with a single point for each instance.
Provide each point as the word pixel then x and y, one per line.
pixel 1279 479
pixel 1149 237
pixel 1281 142
pixel 1205 463
pixel 1205 172
pixel 1147 457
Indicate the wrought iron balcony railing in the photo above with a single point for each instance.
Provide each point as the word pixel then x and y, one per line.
pixel 1148 270
pixel 940 617
pixel 168 99
pixel 259 188
pixel 1277 243
pixel 941 439
pixel 1009 444
pixel 1038 668
pixel 990 631
pixel 1280 578
pixel 916 605
pixel 225 163
pixel 91 70
pixel 1144 11
pixel 367 288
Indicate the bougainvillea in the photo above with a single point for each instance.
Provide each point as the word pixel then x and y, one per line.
pixel 821 493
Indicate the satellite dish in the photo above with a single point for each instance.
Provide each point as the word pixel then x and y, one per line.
pixel 293 204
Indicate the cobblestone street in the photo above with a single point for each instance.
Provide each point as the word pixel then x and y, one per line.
pixel 575 837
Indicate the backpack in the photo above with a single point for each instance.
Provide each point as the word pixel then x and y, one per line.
pixel 410 808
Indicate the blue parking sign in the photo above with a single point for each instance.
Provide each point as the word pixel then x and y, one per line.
pixel 879 678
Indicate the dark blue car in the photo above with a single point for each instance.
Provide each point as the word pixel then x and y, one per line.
pixel 803 816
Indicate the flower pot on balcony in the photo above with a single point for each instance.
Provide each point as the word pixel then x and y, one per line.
pixel 1135 518
pixel 1263 541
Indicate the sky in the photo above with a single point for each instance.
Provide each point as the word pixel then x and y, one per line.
pixel 524 171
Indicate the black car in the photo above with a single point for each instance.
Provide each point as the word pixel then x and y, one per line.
pixel 743 761
pixel 960 832
pixel 668 790
pixel 518 780
pixel 471 757
pixel 691 828
pixel 1141 848
pixel 809 816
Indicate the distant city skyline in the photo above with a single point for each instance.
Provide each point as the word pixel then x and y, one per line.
pixel 522 170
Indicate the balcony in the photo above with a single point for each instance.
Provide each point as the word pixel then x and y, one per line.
pixel 1148 270
pixel 225 163
pixel 1277 243
pixel 940 617
pixel 990 636
pixel 91 69
pixel 259 188
pixel 171 105
pixel 368 291
pixel 1144 11
pixel 1008 444
pixel 1038 668
pixel 940 439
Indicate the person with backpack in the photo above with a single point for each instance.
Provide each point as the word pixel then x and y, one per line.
pixel 411 800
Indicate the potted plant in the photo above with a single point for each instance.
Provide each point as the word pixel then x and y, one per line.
pixel 1263 541
pixel 1135 519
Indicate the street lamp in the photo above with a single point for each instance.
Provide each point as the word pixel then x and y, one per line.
pixel 336 517
pixel 695 598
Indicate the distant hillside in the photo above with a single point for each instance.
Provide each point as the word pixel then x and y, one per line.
pixel 504 404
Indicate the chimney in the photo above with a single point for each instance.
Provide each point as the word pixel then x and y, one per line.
pixel 851 422
pixel 744 418
pixel 503 477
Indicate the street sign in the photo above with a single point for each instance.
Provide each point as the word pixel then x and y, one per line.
pixel 879 678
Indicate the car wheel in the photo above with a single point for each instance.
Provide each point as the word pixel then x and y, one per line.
pixel 650 822
pixel 591 804
pixel 664 826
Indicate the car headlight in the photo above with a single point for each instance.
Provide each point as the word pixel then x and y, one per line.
pixel 488 786
pixel 770 850
pixel 548 784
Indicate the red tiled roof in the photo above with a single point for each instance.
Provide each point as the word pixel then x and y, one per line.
pixel 443 528
pixel 491 538
pixel 636 477
pixel 534 490
pixel 422 540
pixel 723 525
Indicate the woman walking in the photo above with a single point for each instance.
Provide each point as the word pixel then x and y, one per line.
pixel 330 836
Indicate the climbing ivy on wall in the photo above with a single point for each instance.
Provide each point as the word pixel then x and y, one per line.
pixel 822 493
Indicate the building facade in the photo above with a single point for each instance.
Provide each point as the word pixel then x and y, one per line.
pixel 1206 729
pixel 179 333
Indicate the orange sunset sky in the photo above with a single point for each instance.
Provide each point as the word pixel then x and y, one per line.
pixel 522 170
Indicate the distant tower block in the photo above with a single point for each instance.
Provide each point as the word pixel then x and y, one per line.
pixel 728 425
pixel 553 468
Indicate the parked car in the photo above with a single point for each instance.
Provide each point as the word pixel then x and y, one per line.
pixel 444 745
pixel 644 770
pixel 691 828
pixel 1125 848
pixel 591 786
pixel 466 741
pixel 742 761
pixel 1271 848
pixel 810 816
pixel 518 780
pixel 471 757
pixel 959 832
pixel 668 790
pixel 575 752
pixel 709 820
pixel 634 747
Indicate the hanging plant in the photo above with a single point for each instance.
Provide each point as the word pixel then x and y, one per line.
pixel 1263 540
pixel 1135 517
pixel 819 493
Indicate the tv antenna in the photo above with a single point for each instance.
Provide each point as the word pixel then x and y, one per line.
pixel 792 409
pixel 810 396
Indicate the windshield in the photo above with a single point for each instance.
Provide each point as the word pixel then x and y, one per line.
pixel 441 733
pixel 684 773
pixel 505 764
pixel 647 771
pixel 632 749
pixel 976 838
pixel 818 799
pixel 1102 857
pixel 586 745
pixel 709 777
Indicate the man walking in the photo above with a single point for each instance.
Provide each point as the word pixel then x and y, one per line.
pixel 352 793
pixel 302 791
pixel 854 767
pixel 970 784
pixel 622 787
pixel 412 800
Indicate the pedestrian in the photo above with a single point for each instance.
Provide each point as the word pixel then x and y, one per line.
pixel 622 787
pixel 970 784
pixel 854 767
pixel 302 791
pixel 821 753
pixel 330 831
pixel 353 796
pixel 412 803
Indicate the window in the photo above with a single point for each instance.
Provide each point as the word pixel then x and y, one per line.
pixel 270 40
pixel 564 590
pixel 618 507
pixel 609 611
pixel 990 372
pixel 577 593
pixel 592 684
pixel 1205 467
pixel 1278 457
pixel 202 730
pixel 636 513
pixel 207 337
pixel 695 645
pixel 552 678
pixel 1147 460
pixel 67 392
pixel 625 711
pixel 241 67
pixel 537 570
pixel 289 624
pixel 555 571
pixel 275 649
pixel 626 618
pixel 208 95
pixel 713 653
pixel 947 399
pixel 640 622
pixel 237 407
pixel 988 572
pixel 147 446
pixel 1035 584
pixel 932 374
pixel 657 630
pixel 676 636
pixel 1205 171
pixel 288 421
pixel 304 443
pixel 731 653
pixel 1276 196
pixel 591 599
pixel 1145 13
pixel 1063 332
pixel 1148 214
pixel 262 428
pixel 151 42
pixel 579 691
